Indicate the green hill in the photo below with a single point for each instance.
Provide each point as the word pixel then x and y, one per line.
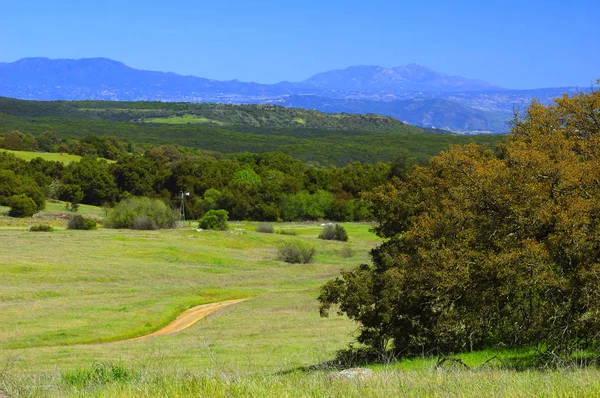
pixel 321 138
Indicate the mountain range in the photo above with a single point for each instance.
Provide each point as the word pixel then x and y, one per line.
pixel 412 93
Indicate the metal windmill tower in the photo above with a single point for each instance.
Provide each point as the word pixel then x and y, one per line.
pixel 182 206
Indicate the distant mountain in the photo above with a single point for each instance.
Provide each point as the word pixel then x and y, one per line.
pixel 413 77
pixel 449 102
pixel 433 113
pixel 102 78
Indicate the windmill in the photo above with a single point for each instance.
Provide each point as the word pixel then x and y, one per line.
pixel 182 206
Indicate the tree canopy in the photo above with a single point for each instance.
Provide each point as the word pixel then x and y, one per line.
pixel 486 248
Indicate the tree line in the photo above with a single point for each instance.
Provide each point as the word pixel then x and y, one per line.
pixel 268 187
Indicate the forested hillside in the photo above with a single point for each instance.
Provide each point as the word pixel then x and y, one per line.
pixel 311 136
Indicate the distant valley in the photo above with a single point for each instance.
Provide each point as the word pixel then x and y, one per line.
pixel 412 93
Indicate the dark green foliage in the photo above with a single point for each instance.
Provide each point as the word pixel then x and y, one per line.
pixel 141 213
pixel 307 206
pixel 82 223
pixel 21 206
pixel 265 228
pixel 334 232
pixel 296 252
pixel 323 139
pixel 91 177
pixel 19 188
pixel 214 219
pixel 488 249
pixel 41 228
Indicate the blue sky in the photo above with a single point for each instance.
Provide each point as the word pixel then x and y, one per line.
pixel 514 44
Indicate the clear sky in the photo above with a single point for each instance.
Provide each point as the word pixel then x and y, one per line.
pixel 514 44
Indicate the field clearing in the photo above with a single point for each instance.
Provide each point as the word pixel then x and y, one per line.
pixel 57 157
pixel 191 119
pixel 68 298
pixel 64 158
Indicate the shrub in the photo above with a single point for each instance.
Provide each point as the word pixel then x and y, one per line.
pixel 265 228
pixel 287 232
pixel 296 253
pixel 21 206
pixel 41 228
pixel 79 222
pixel 144 223
pixel 334 232
pixel 346 252
pixel 214 219
pixel 142 213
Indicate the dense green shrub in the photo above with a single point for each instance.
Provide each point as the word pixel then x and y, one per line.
pixel 214 219
pixel 265 228
pixel 296 252
pixel 41 228
pixel 334 232
pixel 21 206
pixel 80 222
pixel 142 213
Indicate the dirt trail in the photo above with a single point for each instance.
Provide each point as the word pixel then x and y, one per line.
pixel 187 318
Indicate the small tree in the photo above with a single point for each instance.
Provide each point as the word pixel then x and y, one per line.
pixel 21 206
pixel 80 222
pixel 214 219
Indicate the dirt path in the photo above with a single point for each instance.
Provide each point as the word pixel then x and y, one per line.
pixel 187 318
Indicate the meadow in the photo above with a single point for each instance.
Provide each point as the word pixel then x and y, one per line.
pixel 68 299
pixel 64 158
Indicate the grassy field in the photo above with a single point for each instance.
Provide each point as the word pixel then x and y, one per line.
pixel 182 120
pixel 67 298
pixel 58 157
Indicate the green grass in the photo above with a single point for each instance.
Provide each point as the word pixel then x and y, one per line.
pixel 183 120
pixel 57 157
pixel 107 285
pixel 65 292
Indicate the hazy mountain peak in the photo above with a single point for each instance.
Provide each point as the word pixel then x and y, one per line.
pixel 411 77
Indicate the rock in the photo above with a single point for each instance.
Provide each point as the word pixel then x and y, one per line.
pixel 352 374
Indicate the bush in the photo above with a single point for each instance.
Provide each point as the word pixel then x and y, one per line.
pixel 144 223
pixel 334 232
pixel 21 206
pixel 265 228
pixel 41 228
pixel 287 232
pixel 79 222
pixel 346 252
pixel 142 213
pixel 296 253
pixel 214 219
